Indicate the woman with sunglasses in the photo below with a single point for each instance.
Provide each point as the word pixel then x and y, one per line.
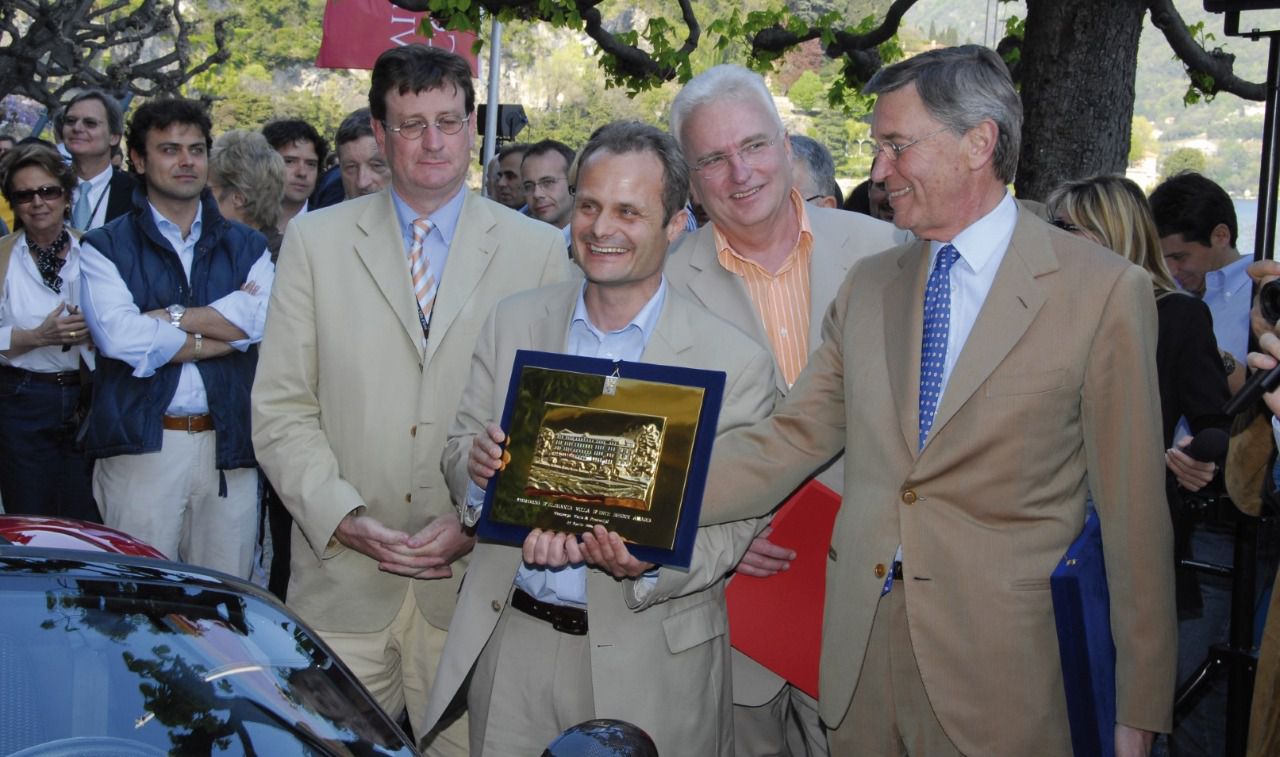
pixel 43 341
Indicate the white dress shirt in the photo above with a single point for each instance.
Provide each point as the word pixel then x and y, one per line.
pixel 122 331
pixel 26 301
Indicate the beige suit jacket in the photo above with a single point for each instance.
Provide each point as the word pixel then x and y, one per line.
pixel 661 662
pixel 350 409
pixel 1051 398
pixel 839 239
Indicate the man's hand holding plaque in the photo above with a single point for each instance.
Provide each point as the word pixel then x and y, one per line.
pixel 599 547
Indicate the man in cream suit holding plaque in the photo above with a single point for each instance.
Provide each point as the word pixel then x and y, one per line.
pixel 983 381
pixel 769 263
pixel 365 356
pixel 559 633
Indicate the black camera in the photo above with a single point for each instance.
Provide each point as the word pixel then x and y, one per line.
pixel 1269 301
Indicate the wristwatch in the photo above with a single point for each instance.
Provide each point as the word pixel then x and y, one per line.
pixel 1228 362
pixel 199 348
pixel 175 315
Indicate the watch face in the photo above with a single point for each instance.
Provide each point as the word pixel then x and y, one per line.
pixel 176 311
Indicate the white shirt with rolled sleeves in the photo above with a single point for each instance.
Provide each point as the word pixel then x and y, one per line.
pixel 121 331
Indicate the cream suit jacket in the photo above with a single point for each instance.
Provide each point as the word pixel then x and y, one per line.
pixel 839 239
pixel 661 663
pixel 350 409
pixel 1052 397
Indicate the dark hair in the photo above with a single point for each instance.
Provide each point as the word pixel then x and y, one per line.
pixel 285 131
pixel 357 124
pixel 859 199
pixel 416 68
pixel 961 87
pixel 1191 205
pixel 115 115
pixel 163 112
pixel 548 146
pixel 515 148
pixel 622 137
pixel 41 155
pixel 9 138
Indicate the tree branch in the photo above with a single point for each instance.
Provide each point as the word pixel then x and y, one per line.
pixel 1216 64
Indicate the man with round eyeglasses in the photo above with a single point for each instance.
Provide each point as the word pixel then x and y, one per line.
pixel 373 323
pixel 770 263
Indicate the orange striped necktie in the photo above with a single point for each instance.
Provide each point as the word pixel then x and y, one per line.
pixel 423 282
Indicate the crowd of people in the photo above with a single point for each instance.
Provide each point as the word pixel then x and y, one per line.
pixel 282 366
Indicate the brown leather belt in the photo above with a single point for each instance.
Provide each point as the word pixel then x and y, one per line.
pixel 192 424
pixel 64 378
pixel 570 620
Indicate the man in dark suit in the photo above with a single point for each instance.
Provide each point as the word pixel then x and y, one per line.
pixel 984 380
pixel 91 126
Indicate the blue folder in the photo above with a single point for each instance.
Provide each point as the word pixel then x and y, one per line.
pixel 1082 611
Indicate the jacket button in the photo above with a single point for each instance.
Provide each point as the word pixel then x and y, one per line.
pixel 880 570
pixel 831 553
pixel 408 497
pixel 413 430
pixel 496 605
pixel 909 496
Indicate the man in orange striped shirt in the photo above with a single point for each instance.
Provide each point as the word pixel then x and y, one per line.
pixel 771 264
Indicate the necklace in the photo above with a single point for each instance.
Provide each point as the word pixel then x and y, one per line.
pixel 48 261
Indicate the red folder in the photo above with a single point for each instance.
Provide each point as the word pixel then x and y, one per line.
pixel 777 621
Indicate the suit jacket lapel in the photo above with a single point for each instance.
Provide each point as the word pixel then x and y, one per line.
pixel 723 292
pixel 671 336
pixel 903 325
pixel 550 332
pixel 469 255
pixel 1011 305
pixel 381 249
pixel 827 271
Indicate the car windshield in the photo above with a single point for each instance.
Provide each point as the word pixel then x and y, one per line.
pixel 169 667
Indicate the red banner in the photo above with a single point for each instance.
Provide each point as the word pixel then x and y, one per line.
pixel 356 32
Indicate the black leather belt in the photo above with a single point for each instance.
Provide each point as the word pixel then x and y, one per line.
pixel 65 378
pixel 570 620
pixel 897 570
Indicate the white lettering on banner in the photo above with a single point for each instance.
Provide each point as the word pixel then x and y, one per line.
pixel 405 37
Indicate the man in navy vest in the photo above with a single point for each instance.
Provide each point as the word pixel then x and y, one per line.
pixel 175 297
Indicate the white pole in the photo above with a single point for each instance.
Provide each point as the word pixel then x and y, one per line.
pixel 491 112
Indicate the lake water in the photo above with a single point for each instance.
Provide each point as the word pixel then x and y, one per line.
pixel 1247 221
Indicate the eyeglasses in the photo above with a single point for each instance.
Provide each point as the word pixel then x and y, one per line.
pixel 892 152
pixel 1064 225
pixel 546 185
pixel 415 127
pixel 752 154
pixel 88 123
pixel 815 197
pixel 24 196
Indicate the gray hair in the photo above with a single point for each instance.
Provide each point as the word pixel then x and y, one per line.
pixel 717 84
pixel 246 162
pixel 961 87
pixel 817 158
pixel 622 137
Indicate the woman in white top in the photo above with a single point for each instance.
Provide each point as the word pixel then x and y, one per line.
pixel 43 341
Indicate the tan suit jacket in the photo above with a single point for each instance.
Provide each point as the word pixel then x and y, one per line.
pixel 661 662
pixel 1051 398
pixel 839 239
pixel 350 409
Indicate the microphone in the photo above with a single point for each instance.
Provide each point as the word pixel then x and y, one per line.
pixel 1208 446
pixel 1258 384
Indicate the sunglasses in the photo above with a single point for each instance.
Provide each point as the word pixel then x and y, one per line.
pixel 1064 225
pixel 24 196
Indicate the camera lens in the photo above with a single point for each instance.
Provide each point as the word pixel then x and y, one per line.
pixel 1269 301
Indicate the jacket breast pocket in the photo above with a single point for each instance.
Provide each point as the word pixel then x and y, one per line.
pixel 1026 383
pixel 695 625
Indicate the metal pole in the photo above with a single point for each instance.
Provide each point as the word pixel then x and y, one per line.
pixel 495 79
pixel 1265 237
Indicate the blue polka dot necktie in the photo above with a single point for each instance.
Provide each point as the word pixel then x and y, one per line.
pixel 933 345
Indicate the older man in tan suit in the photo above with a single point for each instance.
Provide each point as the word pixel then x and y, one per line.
pixel 650 649
pixel 769 263
pixel 365 356
pixel 983 380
